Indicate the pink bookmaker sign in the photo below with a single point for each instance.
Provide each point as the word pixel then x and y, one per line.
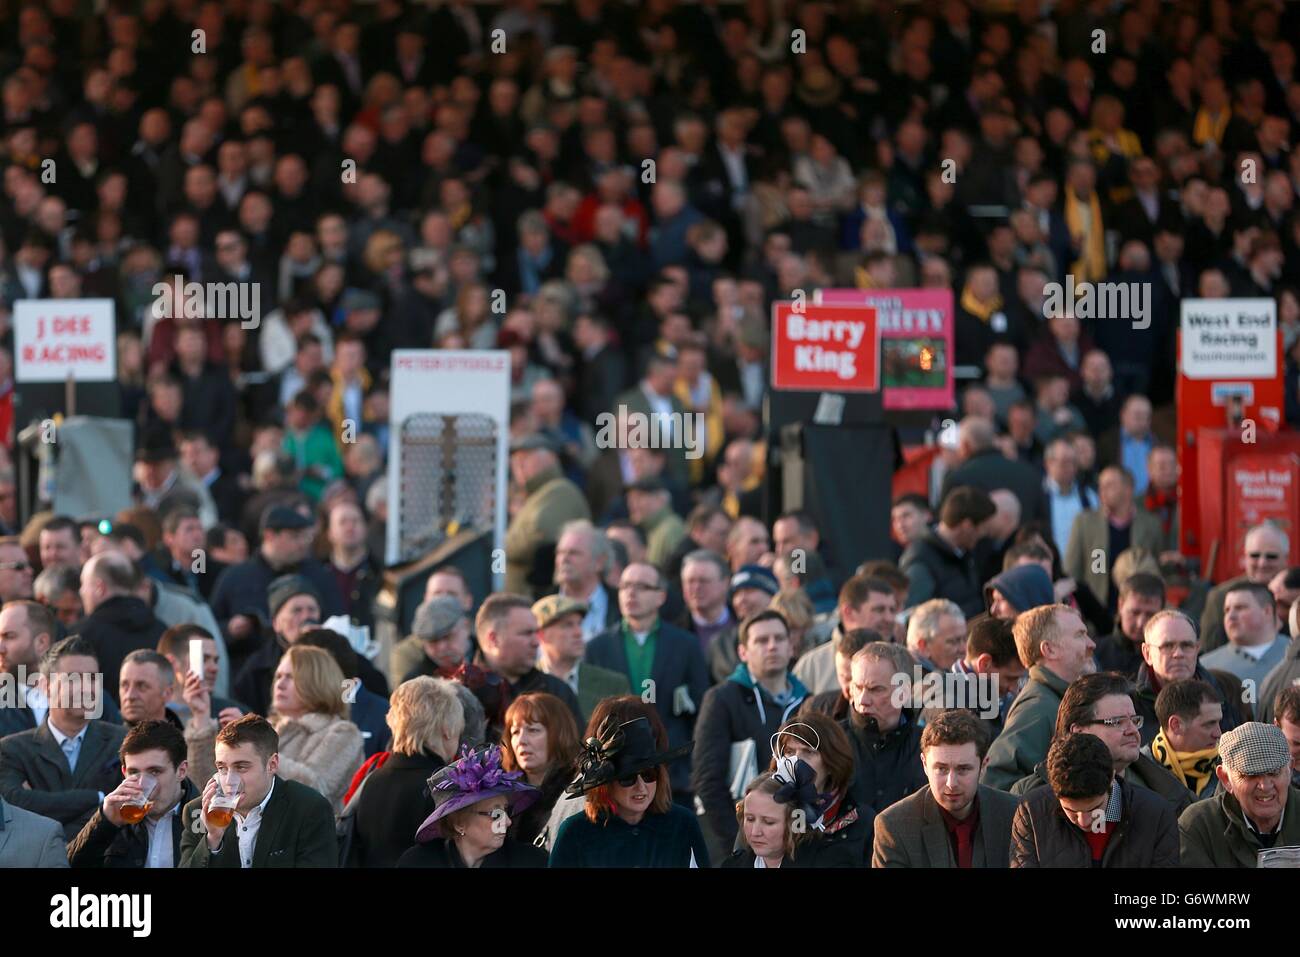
pixel 916 343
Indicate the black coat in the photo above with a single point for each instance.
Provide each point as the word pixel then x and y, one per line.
pixel 1226 686
pixel 1146 835
pixel 360 603
pixel 297 830
pixel 732 712
pixel 101 843
pixel 936 571
pixel 991 470
pixel 393 803
pixel 532 821
pixel 442 853
pixel 820 850
pixel 887 767
pixel 121 625
pixel 678 663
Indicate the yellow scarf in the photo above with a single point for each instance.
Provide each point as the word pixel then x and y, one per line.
pixel 1193 768
pixel 1091 264
pixel 980 310
pixel 1210 126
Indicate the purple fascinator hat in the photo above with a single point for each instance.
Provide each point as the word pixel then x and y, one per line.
pixel 475 777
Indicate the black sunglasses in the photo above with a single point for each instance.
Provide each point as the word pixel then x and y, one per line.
pixel 649 776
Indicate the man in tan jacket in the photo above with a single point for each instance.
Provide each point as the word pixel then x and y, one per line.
pixel 1098 537
pixel 551 501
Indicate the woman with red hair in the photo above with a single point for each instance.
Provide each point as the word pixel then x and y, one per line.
pixel 541 740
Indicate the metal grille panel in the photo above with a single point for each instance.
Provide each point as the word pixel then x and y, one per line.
pixel 448 479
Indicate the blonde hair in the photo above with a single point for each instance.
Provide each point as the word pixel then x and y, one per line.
pixel 795 607
pixel 420 710
pixel 1034 627
pixel 318 680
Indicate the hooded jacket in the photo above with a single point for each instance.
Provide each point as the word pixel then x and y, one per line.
pixel 1025 587
pixel 731 712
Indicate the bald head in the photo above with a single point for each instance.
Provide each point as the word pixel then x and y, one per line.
pixel 975 434
pixel 107 575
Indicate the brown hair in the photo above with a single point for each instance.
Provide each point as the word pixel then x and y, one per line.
pixel 618 710
pixel 1034 627
pixel 767 784
pixel 551 713
pixel 251 729
pixel 833 745
pixel 956 727
pixel 496 609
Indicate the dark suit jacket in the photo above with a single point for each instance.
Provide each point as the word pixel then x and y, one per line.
pixel 101 843
pixel 636 401
pixel 911 833
pixel 596 684
pixel 70 797
pixel 297 830
pixel 678 663
pixel 992 470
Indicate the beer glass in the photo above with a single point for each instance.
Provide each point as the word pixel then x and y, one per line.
pixel 230 787
pixel 138 808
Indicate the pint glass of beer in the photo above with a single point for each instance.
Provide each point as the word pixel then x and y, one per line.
pixel 138 808
pixel 230 787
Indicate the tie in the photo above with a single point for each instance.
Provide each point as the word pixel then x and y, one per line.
pixel 71 747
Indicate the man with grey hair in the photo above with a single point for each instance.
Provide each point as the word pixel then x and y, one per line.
pixel 1170 653
pixel 117 621
pixel 936 634
pixel 985 467
pixel 1266 552
pixel 1287 673
pixel 1255 808
pixel 883 726
pixel 58 587
pixel 582 556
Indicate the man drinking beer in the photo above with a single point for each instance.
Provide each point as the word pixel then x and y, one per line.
pixel 274 823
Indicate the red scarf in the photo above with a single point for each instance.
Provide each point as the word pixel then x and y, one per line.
pixel 1162 505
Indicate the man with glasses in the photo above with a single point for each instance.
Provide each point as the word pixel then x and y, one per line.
pixel 1169 653
pixel 663 663
pixel 1256 807
pixel 1267 551
pixel 1054 646
pixel 1102 705
pixel 15 571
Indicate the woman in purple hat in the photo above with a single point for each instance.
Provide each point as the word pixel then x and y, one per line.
pixel 474 800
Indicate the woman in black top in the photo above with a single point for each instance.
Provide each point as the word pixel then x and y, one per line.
pixel 541 740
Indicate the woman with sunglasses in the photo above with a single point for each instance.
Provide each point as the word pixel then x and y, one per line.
pixel 814 757
pixel 473 801
pixel 629 818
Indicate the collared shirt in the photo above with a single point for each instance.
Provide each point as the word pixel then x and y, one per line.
pixel 39 702
pixel 1269 839
pixel 1065 505
pixel 593 623
pixel 160 839
pixel 962 833
pixel 1133 456
pixel 248 828
pixel 71 746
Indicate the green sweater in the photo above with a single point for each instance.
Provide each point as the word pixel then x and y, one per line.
pixel 315 450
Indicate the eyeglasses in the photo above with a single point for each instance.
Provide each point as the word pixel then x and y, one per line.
pixel 649 776
pixel 1266 556
pixel 15 566
pixel 1120 721
pixel 1169 647
pixel 638 587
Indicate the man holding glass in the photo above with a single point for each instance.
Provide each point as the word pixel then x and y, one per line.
pixel 139 824
pixel 248 817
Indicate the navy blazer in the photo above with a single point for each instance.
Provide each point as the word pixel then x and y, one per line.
pixel 678 663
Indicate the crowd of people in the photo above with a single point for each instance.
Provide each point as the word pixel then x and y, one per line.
pixel 674 673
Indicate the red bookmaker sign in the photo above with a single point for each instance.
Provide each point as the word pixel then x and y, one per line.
pixel 825 348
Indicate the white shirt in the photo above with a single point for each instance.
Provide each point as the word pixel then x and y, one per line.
pixel 39 702
pixel 160 839
pixel 248 828
pixel 1257 651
